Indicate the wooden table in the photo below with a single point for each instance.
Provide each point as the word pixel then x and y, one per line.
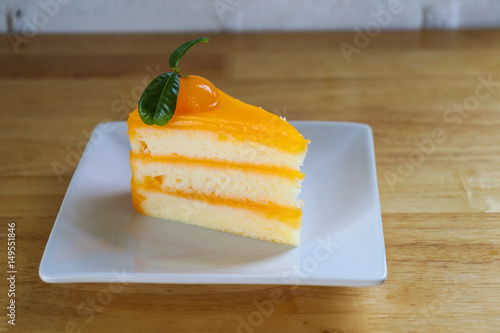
pixel 436 127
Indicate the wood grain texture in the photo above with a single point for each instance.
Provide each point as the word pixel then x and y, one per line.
pixel 440 203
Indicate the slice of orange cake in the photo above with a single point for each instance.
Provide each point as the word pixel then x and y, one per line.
pixel 217 163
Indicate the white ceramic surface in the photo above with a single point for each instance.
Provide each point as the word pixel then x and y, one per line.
pixel 99 237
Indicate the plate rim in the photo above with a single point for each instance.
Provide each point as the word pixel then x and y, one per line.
pixel 378 278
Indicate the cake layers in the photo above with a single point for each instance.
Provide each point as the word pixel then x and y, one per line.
pixel 244 199
pixel 207 145
pixel 222 180
pixel 217 216
pixel 234 169
pixel 236 132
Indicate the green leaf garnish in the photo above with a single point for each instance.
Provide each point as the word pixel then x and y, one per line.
pixel 159 99
pixel 179 52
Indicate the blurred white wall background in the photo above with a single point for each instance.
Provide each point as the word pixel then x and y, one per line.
pixel 94 16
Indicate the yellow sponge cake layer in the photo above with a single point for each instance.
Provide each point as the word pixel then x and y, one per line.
pixel 286 215
pixel 217 216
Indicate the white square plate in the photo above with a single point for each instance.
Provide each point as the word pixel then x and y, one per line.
pixel 99 237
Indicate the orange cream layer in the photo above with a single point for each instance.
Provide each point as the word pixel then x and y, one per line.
pixel 234 119
pixel 289 216
pixel 282 172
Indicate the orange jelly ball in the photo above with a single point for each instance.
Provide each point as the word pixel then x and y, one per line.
pixel 196 94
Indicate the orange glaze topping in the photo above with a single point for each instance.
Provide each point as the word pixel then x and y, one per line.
pixel 289 216
pixel 200 105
